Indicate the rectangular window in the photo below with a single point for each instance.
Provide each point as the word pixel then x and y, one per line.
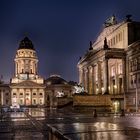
pixel 40 101
pixel 34 101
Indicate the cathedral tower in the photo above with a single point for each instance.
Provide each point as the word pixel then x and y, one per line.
pixel 26 62
pixel 27 87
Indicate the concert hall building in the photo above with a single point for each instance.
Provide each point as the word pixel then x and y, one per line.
pixel 110 70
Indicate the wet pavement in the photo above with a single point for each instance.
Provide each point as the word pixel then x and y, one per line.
pixel 71 124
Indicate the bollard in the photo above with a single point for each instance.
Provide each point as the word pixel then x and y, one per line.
pixel 94 113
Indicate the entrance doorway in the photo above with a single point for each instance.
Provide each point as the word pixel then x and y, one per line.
pixel 116 106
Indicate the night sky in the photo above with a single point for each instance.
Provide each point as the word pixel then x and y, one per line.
pixel 59 29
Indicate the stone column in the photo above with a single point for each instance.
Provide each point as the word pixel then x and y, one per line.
pixel 106 76
pixel 16 68
pixel 90 74
pixel 37 93
pixel 93 80
pixel 99 77
pixel 33 67
pixel 124 74
pixel 18 95
pixel 24 94
pixel 31 97
pixel 86 79
pixel 43 96
pixel 36 67
pixel 23 61
pixel 81 76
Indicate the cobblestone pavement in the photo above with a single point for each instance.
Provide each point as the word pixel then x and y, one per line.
pixel 74 125
pixel 17 126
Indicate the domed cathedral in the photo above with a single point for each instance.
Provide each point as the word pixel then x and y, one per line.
pixel 110 70
pixel 27 87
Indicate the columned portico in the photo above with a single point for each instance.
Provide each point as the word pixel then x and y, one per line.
pixel 117 47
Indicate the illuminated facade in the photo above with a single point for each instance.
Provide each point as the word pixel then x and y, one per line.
pixel 111 66
pixel 27 87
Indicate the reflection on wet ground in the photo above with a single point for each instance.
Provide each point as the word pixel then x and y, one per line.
pixel 97 131
pixel 75 126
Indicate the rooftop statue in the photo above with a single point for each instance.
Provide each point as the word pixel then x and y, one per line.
pixel 110 21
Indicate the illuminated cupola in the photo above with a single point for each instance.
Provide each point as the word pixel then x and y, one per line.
pixel 26 62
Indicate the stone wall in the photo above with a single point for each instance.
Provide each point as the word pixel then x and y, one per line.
pixel 96 100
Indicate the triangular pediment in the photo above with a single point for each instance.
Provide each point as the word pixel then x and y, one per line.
pixel 107 31
pixel 27 84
